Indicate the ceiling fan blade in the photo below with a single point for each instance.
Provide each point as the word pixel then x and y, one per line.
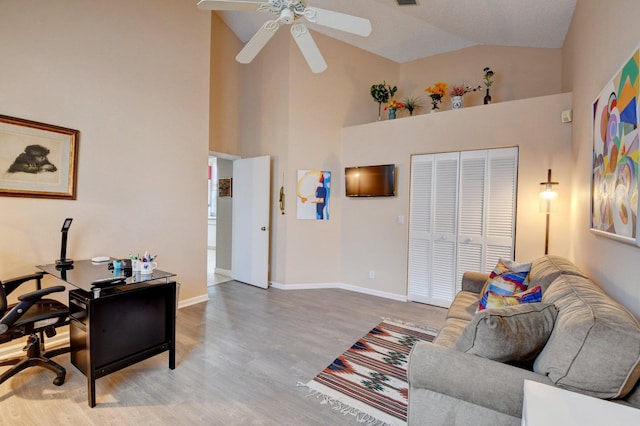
pixel 257 42
pixel 251 6
pixel 339 21
pixel 308 47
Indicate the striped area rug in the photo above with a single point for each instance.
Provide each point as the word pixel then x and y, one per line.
pixel 369 380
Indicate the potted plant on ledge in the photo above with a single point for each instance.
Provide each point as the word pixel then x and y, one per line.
pixel 381 93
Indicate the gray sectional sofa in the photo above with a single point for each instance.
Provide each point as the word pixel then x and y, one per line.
pixel 592 347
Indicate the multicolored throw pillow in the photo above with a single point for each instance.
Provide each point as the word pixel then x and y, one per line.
pixel 532 295
pixel 506 279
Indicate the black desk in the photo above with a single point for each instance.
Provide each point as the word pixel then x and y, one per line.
pixel 119 324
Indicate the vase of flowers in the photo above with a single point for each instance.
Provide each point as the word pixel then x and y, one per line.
pixel 457 92
pixel 487 79
pixel 411 103
pixel 437 92
pixel 381 94
pixel 393 106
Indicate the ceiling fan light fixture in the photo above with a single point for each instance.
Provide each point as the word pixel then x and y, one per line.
pixel 286 16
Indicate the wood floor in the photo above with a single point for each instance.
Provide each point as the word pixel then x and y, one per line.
pixel 239 358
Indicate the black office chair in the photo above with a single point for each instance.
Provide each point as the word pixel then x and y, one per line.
pixel 32 316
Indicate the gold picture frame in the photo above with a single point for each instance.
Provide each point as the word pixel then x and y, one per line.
pixel 225 187
pixel 37 159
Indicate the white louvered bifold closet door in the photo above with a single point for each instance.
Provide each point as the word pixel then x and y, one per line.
pixel 462 218
pixel 421 196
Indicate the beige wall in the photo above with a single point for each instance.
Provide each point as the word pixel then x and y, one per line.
pixel 226 114
pixel 372 238
pixel 519 73
pixel 297 117
pixel 134 79
pixel 600 40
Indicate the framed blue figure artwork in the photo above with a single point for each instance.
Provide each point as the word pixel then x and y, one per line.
pixel 313 194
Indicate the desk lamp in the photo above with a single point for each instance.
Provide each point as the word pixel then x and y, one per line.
pixel 63 262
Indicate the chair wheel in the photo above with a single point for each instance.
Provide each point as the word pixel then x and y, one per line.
pixel 58 381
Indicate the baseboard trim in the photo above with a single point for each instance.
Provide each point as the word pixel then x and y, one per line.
pixel 225 272
pixel 193 301
pixel 342 286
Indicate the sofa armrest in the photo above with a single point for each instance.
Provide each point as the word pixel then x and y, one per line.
pixel 474 281
pixel 480 381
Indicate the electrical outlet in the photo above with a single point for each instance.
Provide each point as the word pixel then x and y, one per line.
pixel 372 274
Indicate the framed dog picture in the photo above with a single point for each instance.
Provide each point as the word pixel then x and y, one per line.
pixel 37 159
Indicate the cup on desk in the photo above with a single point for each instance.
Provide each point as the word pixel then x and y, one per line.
pixel 147 267
pixel 135 265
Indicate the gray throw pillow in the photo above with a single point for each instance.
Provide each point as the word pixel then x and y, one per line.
pixel 514 334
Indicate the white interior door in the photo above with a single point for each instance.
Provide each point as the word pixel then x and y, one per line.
pixel 250 228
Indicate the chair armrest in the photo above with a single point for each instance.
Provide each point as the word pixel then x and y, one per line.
pixel 25 302
pixel 474 281
pixel 466 377
pixel 12 284
pixel 39 294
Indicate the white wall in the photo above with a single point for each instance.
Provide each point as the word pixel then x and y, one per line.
pixel 372 238
pixel 602 37
pixel 133 77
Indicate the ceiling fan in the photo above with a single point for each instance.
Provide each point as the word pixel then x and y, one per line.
pixel 289 12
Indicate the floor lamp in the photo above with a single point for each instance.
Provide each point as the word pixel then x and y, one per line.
pixel 548 195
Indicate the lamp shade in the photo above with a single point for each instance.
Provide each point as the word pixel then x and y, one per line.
pixel 548 195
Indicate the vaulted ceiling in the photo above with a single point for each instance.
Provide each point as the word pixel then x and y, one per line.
pixel 431 27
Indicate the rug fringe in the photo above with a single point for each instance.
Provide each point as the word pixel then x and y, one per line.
pixel 433 331
pixel 343 408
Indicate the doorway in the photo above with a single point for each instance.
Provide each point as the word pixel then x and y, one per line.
pixel 219 218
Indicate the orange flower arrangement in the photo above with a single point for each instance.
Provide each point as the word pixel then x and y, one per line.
pixel 437 91
pixel 394 105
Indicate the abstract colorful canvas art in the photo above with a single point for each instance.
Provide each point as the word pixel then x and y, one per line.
pixel 614 197
pixel 313 194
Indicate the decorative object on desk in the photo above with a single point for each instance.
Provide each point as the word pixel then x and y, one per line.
pixel 138 261
pixel 614 180
pixel 381 93
pixel 393 107
pixel 411 103
pixel 147 267
pixel 37 159
pixel 63 262
pixel 225 187
pixel 314 193
pixel 457 92
pixel 369 380
pixel 437 92
pixel 487 79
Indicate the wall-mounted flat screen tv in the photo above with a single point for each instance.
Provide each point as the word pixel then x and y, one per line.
pixel 370 181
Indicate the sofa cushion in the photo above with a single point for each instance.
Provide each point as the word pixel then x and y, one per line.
pixel 507 278
pixel 515 334
pixel 449 333
pixel 464 306
pixel 532 295
pixel 595 345
pixel 545 269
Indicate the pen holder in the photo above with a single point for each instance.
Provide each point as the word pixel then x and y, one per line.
pixel 147 267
